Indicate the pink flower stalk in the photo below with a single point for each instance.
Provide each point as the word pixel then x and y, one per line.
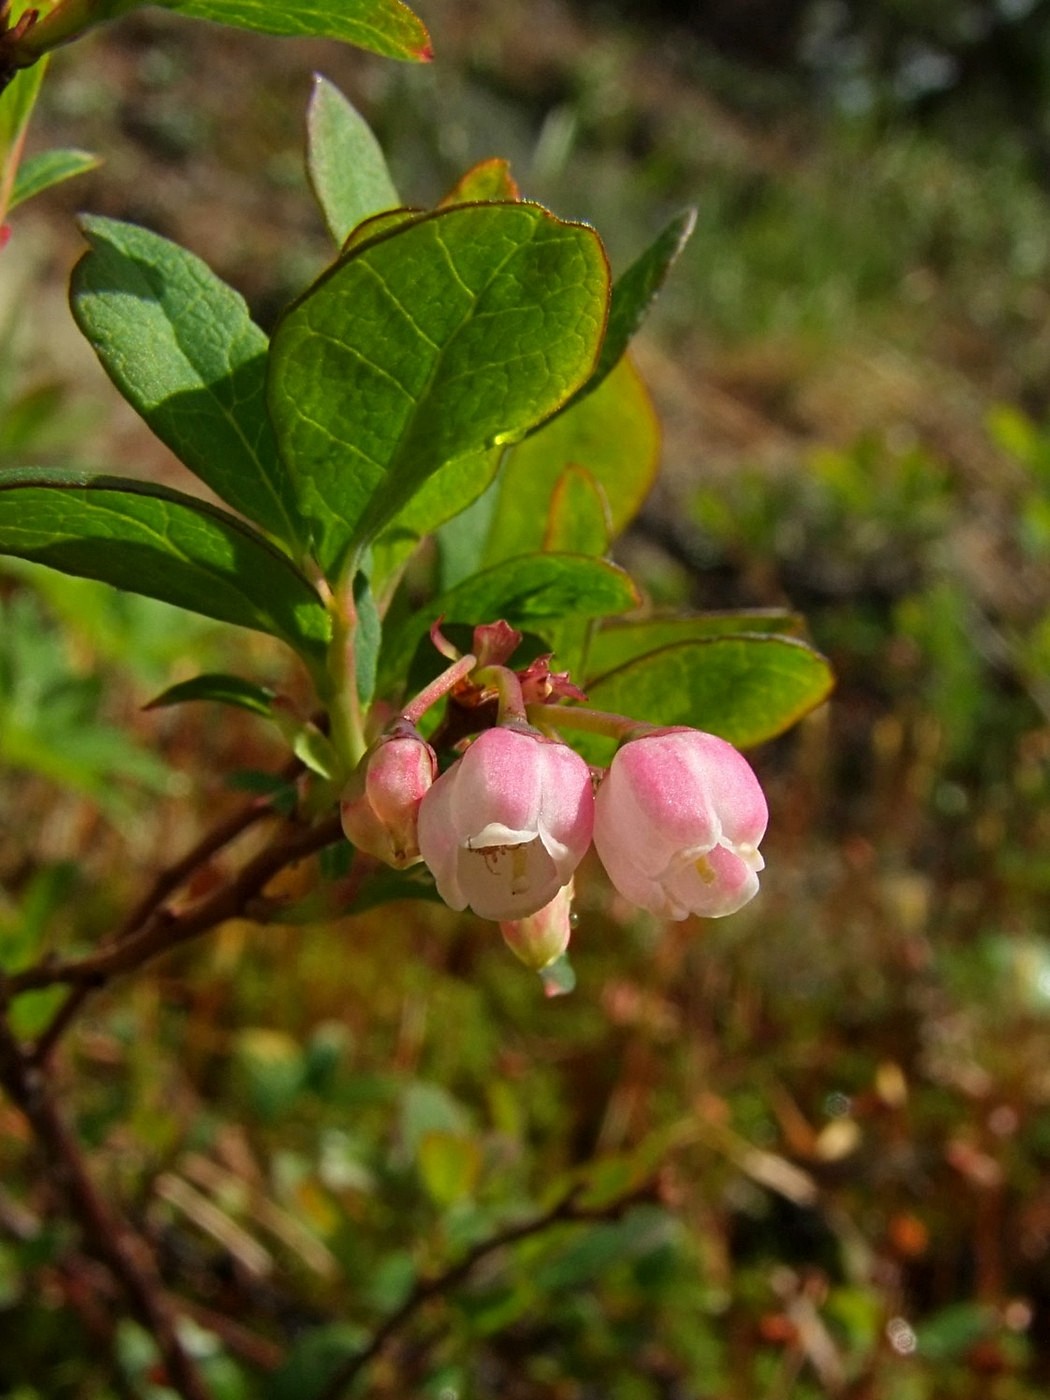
pixel 380 806
pixel 541 937
pixel 678 820
pixel 505 827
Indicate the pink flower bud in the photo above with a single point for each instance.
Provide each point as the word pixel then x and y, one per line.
pixel 380 806
pixel 541 937
pixel 507 825
pixel 678 819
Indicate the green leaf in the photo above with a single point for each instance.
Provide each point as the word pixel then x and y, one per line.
pixel 17 101
pixel 40 172
pixel 345 163
pixel 526 592
pixel 446 494
pixel 161 543
pixel 635 291
pixel 578 520
pixel 222 688
pixel 316 751
pixel 452 333
pixel 489 180
pixel 180 346
pixel 613 433
pixel 386 27
pixel 368 634
pixel 619 642
pixel 745 689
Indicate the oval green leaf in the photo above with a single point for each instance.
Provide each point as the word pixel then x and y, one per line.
pixel 613 433
pixel 449 334
pixel 180 346
pixel 620 642
pixel 745 689
pixel 150 540
pixel 345 162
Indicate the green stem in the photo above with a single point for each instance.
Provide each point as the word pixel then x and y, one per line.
pixel 505 683
pixel 571 717
pixel 344 706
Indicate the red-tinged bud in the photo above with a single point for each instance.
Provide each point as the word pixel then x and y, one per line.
pixel 380 806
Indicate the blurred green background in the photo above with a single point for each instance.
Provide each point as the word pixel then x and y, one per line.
pixel 812 1141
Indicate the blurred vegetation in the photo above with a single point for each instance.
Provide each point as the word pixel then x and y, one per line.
pixel 800 1153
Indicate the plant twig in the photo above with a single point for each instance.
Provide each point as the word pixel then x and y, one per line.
pixel 165 930
pixel 106 1231
pixel 565 1212
pixel 165 884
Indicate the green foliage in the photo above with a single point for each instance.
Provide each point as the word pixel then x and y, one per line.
pixel 346 165
pixel 747 689
pixel 385 26
pixel 182 349
pixel 171 546
pixel 456 330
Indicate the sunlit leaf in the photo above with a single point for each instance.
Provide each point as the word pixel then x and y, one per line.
pixel 180 346
pixel 489 180
pixel 635 291
pixel 163 544
pixel 346 165
pixel 454 331
pixel 619 642
pixel 613 433
pixel 578 519
pixel 745 689
pixel 16 107
pixel 41 172
pixel 386 27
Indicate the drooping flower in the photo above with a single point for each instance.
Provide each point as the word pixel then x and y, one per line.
pixel 541 937
pixel 678 820
pixel 505 827
pixel 380 806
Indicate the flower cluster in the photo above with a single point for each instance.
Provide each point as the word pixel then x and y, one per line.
pixel 676 819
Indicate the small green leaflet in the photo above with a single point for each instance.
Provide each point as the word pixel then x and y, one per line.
pixel 180 346
pixel 40 172
pixel 221 688
pixel 150 540
pixel 345 163
pixel 448 334
pixel 635 291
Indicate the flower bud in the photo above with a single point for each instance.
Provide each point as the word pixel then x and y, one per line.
pixel 678 819
pixel 541 937
pixel 380 806
pixel 505 827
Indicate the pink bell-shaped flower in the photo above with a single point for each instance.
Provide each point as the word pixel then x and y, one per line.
pixel 678 820
pixel 380 806
pixel 541 937
pixel 505 827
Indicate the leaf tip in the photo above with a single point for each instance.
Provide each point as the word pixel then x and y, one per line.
pixel 425 53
